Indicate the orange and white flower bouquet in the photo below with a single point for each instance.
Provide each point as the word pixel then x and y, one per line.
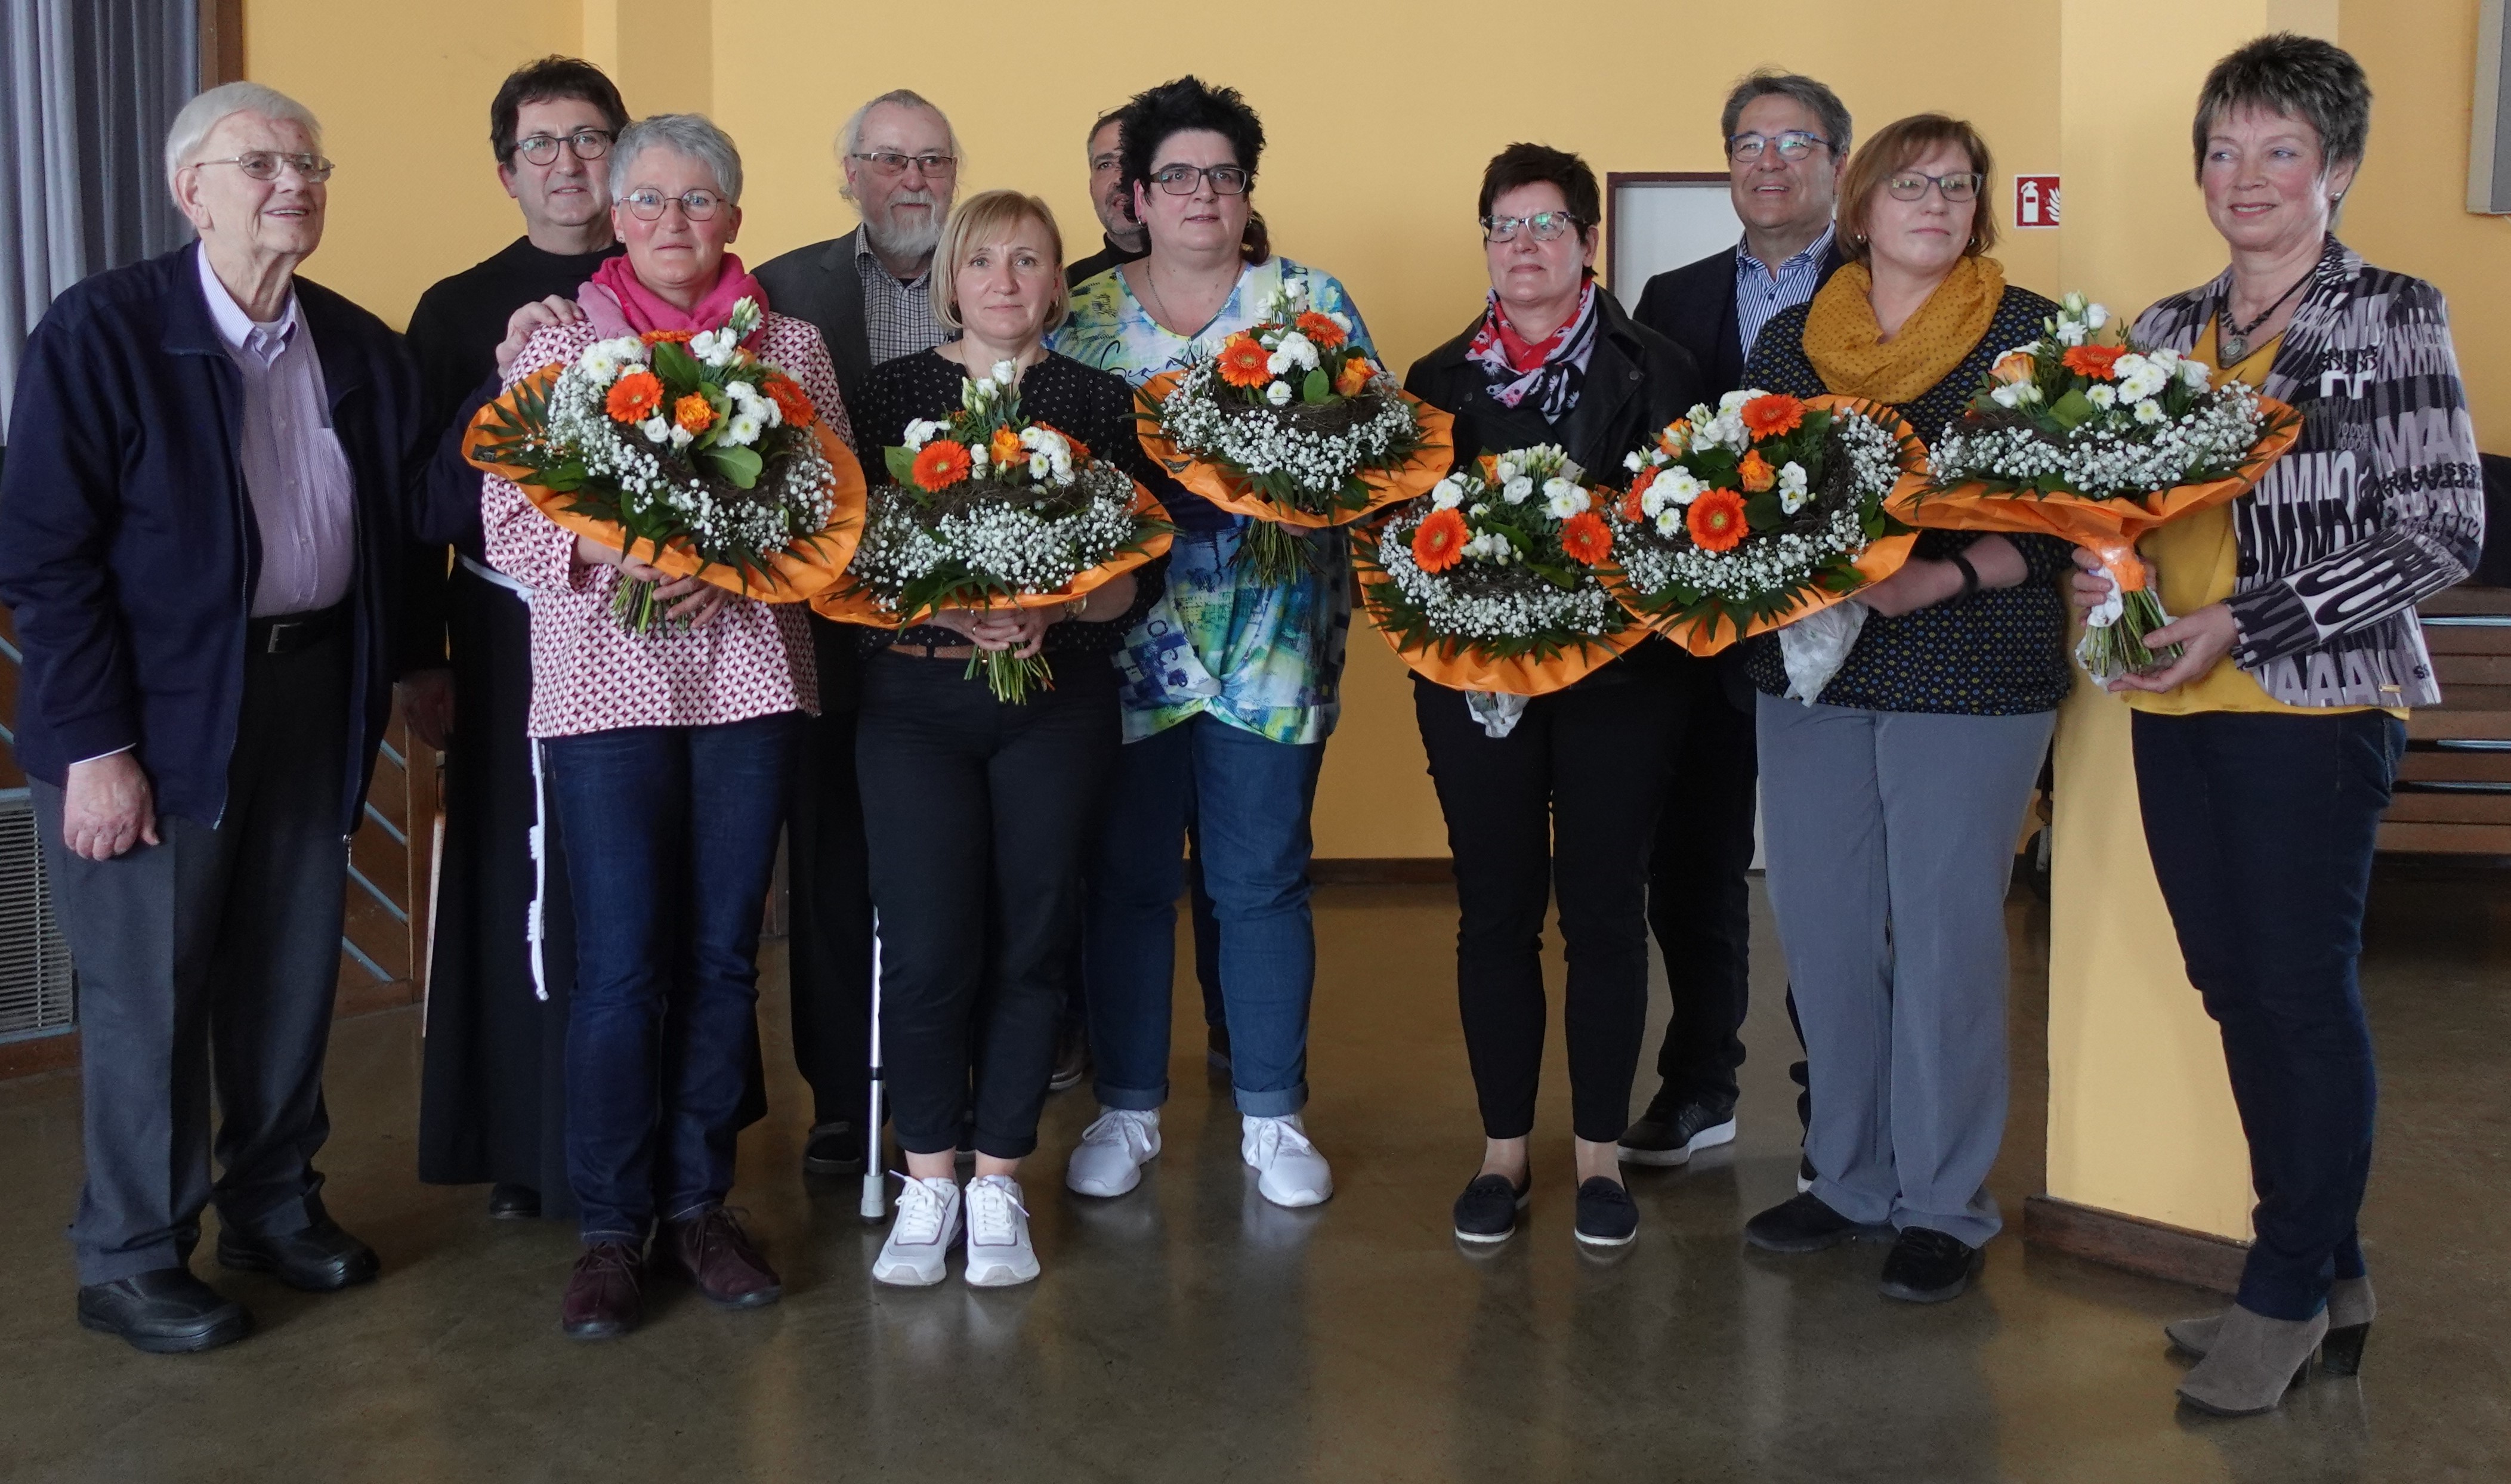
pixel 1294 425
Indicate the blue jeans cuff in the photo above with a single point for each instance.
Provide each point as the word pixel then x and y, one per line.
pixel 1132 1099
pixel 1280 1103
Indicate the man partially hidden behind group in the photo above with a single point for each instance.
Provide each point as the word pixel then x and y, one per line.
pixel 866 292
pixel 202 532
pixel 492 1095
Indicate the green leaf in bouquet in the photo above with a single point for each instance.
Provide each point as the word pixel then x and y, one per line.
pixel 1763 513
pixel 901 462
pixel 738 467
pixel 2072 410
pixel 677 368
pixel 1316 388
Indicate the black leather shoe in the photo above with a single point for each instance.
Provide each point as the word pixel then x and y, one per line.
pixel 513 1202
pixel 1486 1212
pixel 1608 1216
pixel 1671 1132
pixel 1928 1267
pixel 320 1259
pixel 1801 1224
pixel 834 1149
pixel 167 1312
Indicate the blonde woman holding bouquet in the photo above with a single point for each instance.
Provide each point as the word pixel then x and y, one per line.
pixel 666 754
pixel 1229 686
pixel 2264 754
pixel 1562 799
pixel 1893 787
pixel 981 811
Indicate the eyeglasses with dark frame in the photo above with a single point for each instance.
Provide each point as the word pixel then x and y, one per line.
pixel 648 204
pixel 1792 143
pixel 889 162
pixel 1957 187
pixel 1186 179
pixel 585 143
pixel 266 164
pixel 1546 226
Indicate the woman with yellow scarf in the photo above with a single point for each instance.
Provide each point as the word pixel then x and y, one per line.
pixel 1894 778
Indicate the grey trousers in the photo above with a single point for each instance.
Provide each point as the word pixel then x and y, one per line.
pixel 209 960
pixel 1891 838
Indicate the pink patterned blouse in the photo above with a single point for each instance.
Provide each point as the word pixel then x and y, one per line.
pixel 589 673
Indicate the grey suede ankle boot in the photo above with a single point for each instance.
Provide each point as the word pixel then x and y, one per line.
pixel 2350 1311
pixel 2253 1362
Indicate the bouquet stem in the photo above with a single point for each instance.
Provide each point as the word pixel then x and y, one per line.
pixel 2114 643
pixel 1274 553
pixel 1012 679
pixel 633 601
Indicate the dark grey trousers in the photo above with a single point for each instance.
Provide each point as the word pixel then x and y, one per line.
pixel 208 961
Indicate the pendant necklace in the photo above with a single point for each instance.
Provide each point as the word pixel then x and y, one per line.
pixel 2233 345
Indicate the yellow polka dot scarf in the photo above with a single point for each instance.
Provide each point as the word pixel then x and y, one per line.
pixel 1847 347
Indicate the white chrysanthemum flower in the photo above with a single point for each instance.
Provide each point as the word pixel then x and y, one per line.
pixel 1668 521
pixel 1679 486
pixel 1448 493
pixel 1279 393
pixel 1563 499
pixel 2149 412
pixel 744 429
pixel 1296 352
pixel 2101 394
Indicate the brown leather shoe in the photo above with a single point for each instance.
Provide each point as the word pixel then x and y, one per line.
pixel 603 1297
pixel 718 1256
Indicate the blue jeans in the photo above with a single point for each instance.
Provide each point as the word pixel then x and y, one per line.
pixel 670 838
pixel 2262 827
pixel 1248 800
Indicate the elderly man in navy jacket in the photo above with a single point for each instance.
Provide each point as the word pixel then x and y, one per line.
pixel 201 531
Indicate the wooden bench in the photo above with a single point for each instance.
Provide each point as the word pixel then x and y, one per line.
pixel 2453 792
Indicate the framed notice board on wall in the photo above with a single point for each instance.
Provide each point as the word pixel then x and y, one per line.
pixel 1660 219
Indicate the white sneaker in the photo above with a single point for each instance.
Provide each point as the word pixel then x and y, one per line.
pixel 1289 1171
pixel 1109 1160
pixel 998 1251
pixel 920 1238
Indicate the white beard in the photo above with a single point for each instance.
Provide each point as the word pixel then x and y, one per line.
pixel 917 243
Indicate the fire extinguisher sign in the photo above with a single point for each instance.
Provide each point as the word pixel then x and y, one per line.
pixel 2035 201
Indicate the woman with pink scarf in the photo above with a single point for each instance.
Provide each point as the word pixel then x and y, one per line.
pixel 665 754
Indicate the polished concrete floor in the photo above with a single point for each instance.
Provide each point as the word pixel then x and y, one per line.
pixel 1191 1332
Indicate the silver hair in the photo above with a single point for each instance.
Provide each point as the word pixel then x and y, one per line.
pixel 850 132
pixel 693 135
pixel 191 126
pixel 1817 98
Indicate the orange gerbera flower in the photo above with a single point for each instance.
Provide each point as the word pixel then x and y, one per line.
pixel 1632 510
pixel 2095 360
pixel 693 413
pixel 633 397
pixel 1676 439
pixel 1440 542
pixel 1355 375
pixel 1586 537
pixel 941 464
pixel 1716 521
pixel 1317 327
pixel 1756 472
pixel 790 399
pixel 1244 362
pixel 1773 415
pixel 676 336
pixel 1006 448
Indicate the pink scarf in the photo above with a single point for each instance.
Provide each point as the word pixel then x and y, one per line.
pixel 618 304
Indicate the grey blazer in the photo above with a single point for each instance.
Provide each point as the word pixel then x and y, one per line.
pixel 820 283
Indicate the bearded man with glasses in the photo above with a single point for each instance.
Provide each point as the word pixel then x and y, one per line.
pixel 866 293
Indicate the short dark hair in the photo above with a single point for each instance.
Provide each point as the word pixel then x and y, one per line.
pixel 543 81
pixel 1818 98
pixel 1895 147
pixel 1538 164
pixel 1174 107
pixel 1114 115
pixel 2302 77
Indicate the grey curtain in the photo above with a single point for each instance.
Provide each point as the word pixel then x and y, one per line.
pixel 88 89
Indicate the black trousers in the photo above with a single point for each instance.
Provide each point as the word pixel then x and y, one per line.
pixel 2262 829
pixel 980 817
pixel 209 962
pixel 1565 806
pixel 1698 902
pixel 830 962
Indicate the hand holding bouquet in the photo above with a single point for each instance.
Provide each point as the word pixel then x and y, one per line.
pixel 1494 581
pixel 986 509
pixel 688 445
pixel 1761 513
pixel 2091 439
pixel 1294 425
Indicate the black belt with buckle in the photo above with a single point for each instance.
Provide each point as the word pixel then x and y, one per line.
pixel 286 633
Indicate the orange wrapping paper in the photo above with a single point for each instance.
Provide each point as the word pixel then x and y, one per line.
pixel 852 603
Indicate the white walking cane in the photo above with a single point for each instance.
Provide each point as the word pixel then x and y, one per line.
pixel 876 1185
